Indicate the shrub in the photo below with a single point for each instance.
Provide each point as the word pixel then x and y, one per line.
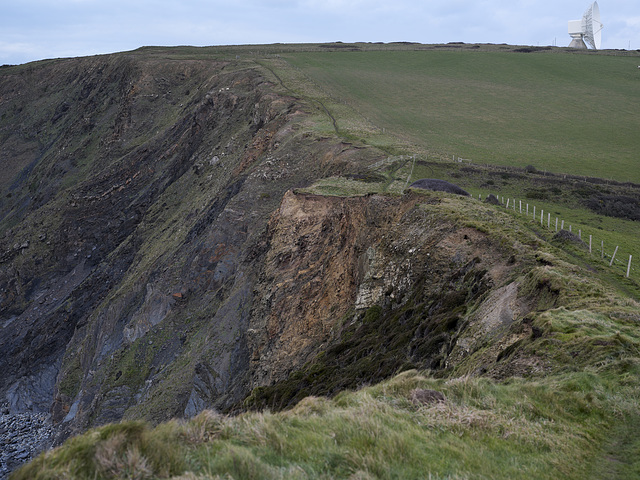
pixel 537 194
pixel 619 206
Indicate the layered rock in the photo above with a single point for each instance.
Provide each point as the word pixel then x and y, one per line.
pixel 133 230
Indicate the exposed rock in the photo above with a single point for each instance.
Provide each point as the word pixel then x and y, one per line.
pixel 321 260
pixel 22 437
pixel 32 393
pixel 328 255
pixel 492 320
pixel 492 199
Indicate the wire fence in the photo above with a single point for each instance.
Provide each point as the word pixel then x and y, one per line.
pixel 597 247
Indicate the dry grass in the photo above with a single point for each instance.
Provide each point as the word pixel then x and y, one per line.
pixel 555 427
pixel 116 459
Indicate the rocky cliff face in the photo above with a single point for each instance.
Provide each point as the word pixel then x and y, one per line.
pixel 156 259
pixel 135 191
pixel 353 290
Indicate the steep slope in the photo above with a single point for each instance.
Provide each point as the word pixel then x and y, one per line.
pixel 165 252
pixel 143 186
pixel 427 281
pixel 331 259
pixel 530 366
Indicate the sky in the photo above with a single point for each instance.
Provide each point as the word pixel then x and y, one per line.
pixel 39 29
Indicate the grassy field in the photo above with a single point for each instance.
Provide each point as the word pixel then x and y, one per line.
pixel 555 110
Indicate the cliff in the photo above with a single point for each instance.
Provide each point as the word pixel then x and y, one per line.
pixel 163 251
pixel 136 195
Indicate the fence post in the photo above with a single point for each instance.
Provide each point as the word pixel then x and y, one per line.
pixel 580 233
pixel 629 266
pixel 613 256
pixel 542 218
pixel 562 225
pixel 569 227
pixel 514 204
pixel 548 220
pixel 534 212
pixel 520 206
pixel 589 243
pixel 556 224
pixel 602 249
pixel 507 203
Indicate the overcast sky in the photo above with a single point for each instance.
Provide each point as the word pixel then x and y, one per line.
pixel 38 29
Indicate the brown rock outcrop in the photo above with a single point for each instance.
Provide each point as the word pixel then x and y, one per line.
pixel 313 269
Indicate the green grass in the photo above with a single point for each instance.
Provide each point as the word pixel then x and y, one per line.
pixel 557 427
pixel 494 107
pixel 559 111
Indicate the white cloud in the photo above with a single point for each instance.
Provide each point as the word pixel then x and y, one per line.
pixel 9 50
pixel 33 29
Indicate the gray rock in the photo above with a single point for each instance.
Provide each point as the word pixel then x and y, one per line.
pixel 22 437
pixel 33 393
pixel 492 199
pixel 567 236
pixel 438 186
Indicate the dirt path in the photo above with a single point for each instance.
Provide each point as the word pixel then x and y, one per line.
pixel 297 94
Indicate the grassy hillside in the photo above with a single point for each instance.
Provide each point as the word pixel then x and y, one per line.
pixel 558 111
pixel 548 429
pixel 496 106
pixel 553 393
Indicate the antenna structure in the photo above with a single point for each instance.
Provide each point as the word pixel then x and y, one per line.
pixel 588 29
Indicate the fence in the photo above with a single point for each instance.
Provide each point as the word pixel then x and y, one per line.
pixel 511 203
pixel 546 219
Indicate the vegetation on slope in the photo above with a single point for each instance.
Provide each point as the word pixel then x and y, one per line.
pixel 566 426
pixel 498 106
pixel 575 417
pixel 557 110
pixel 563 196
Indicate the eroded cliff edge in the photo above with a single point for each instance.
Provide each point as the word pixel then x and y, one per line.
pixel 354 290
pixel 160 255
